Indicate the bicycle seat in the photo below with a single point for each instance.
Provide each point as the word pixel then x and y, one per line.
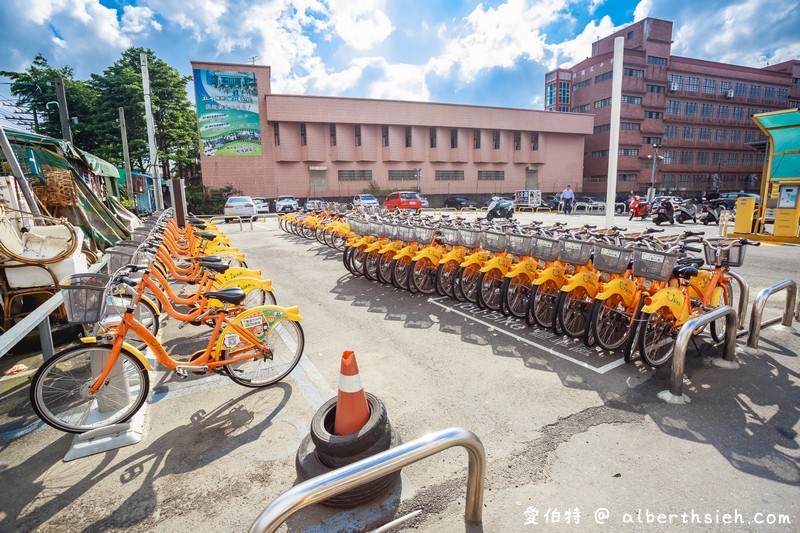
pixel 199 225
pixel 685 271
pixel 208 258
pixel 694 261
pixel 207 235
pixel 231 295
pixel 216 266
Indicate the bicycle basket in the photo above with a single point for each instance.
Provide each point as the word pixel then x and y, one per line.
pixel 724 258
pixel 142 256
pixel 140 235
pixel 405 233
pixel 449 235
pixel 84 297
pixel 544 248
pixel 575 252
pixel 652 264
pixel 390 230
pixel 469 238
pixel 612 259
pixel 423 234
pixel 119 256
pixel 493 241
pixel 518 244
pixel 375 228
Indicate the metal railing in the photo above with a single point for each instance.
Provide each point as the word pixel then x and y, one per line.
pixel 40 317
pixel 760 302
pixel 675 392
pixel 351 476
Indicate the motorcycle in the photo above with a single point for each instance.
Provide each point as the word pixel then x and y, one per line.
pixel 664 212
pixel 500 208
pixel 639 207
pixel 685 212
pixel 710 214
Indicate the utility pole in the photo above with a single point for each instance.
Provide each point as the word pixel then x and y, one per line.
pixel 63 112
pixel 151 133
pixel 655 157
pixel 126 156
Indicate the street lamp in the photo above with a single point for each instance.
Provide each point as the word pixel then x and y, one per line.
pixel 654 157
pixel 419 172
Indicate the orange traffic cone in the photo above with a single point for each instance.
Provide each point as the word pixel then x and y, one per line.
pixel 352 409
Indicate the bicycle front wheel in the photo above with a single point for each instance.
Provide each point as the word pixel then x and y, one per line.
pixel 285 341
pixel 657 338
pixel 60 389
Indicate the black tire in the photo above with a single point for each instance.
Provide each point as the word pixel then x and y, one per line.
pixel 611 323
pixel 629 353
pixel 718 326
pixel 357 258
pixel 656 339
pixel 490 285
pixel 469 282
pixel 308 465
pixel 573 312
pixel 286 342
pixel 354 443
pixel 339 242
pixel 384 273
pixel 516 292
pixel 400 272
pixel 557 329
pixel 371 265
pixel 346 258
pixel 58 389
pixel 444 278
pixel 423 276
pixel 389 439
pixel 456 285
pixel 542 304
pixel 590 337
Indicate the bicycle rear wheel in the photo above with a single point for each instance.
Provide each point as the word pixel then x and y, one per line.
pixel 573 311
pixel 444 278
pixel 490 286
pixel 423 276
pixel 469 282
pixel 542 304
pixel 285 341
pixel 60 389
pixel 384 273
pixel 515 293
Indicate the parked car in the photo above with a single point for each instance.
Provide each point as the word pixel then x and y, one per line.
pixel 425 202
pixel 402 200
pixel 459 202
pixel 286 204
pixel 262 205
pixel 239 206
pixel 365 200
pixel 314 203
pixel 728 200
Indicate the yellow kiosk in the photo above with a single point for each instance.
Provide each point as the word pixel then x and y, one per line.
pixel 780 182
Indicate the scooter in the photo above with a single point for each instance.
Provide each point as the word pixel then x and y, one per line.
pixel 639 207
pixel 500 208
pixel 683 214
pixel 709 214
pixel 664 212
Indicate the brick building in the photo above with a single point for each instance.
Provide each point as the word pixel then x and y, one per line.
pixel 697 112
pixel 338 147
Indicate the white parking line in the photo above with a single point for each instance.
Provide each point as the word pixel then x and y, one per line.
pixel 602 370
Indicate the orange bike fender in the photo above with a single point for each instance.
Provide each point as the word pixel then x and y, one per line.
pixel 552 273
pixel 377 245
pixel 622 286
pixel 392 246
pixel 135 352
pixel 587 280
pixel 453 255
pixel 408 251
pixel 498 262
pixel 477 257
pixel 669 297
pixel 527 268
pixel 429 252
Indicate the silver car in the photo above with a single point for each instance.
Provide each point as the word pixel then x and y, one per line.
pixel 239 206
pixel 286 204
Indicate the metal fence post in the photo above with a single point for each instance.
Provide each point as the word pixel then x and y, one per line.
pixel 46 338
pixel 744 298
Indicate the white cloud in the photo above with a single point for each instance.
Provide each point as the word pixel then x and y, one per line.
pixel 643 10
pixel 398 81
pixel 38 11
pixel 82 24
pixel 570 52
pixel 361 24
pixel 594 4
pixel 139 20
pixel 200 16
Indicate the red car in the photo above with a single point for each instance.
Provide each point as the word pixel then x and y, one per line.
pixel 402 200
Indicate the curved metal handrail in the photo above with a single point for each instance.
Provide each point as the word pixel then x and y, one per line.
pixel 351 476
pixel 760 302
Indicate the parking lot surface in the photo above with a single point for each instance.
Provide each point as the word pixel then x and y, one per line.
pixel 576 439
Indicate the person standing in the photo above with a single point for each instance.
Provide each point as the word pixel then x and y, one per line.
pixel 567 197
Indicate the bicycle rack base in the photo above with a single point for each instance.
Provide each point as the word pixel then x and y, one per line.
pixel 722 363
pixel 668 397
pixel 108 438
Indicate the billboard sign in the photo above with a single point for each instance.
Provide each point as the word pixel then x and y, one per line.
pixel 227 112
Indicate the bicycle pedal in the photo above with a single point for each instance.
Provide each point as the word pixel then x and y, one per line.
pixel 185 371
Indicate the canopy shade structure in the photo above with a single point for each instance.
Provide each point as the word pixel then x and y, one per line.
pixel 783 130
pixel 101 167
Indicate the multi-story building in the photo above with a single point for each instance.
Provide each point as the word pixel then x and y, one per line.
pixel 697 113
pixel 272 144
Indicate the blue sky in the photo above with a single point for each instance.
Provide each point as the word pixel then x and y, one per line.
pixel 490 53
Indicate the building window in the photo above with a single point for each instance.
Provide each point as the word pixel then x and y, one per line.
pixel 692 84
pixel 751 111
pixel 333 134
pixel 534 141
pixel 453 137
pixel 701 178
pixel 358 134
pixel 739 90
pixel 690 109
pixel 688 133
pixel 384 135
pixel 658 89
pixel 476 139
pixel 738 113
pixel 655 60
pixel 597 178
pixel 760 158
pixel 496 139
pixel 517 140
pixel 651 140
pixel 433 137
pixel 709 86
pixel 686 157
pixel 563 92
pixel 491 175
pixel 795 81
pixel 706 110
pixel 668 181
pixel 646 163
pixel 723 111
pixel 669 157
pixel 769 93
pixel 403 175
pixel 673 107
pixel 355 175
pixel 783 94
pixel 747 160
pixel 736 136
pixel 563 109
pixel 582 109
pixel 630 126
pixel 602 127
pixel 733 159
pixel 755 91
pixel 631 99
pixel 675 82
pixel 303 136
pixel 602 103
pixel 683 181
pixel 626 177
pixel 597 154
pixel 749 136
pixel 603 77
pixel 408 136
pixel 449 175
pixel 702 158
pixel 630 35
pixel 705 134
pixel 550 95
pixel 629 152
pixel 716 158
pixel 581 85
pixel 724 87
pixel 721 136
pixel 670 132
pixel 277 132
pixel 794 104
pixel 633 72
pixel 653 114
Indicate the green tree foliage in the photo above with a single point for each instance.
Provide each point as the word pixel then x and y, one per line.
pixel 205 201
